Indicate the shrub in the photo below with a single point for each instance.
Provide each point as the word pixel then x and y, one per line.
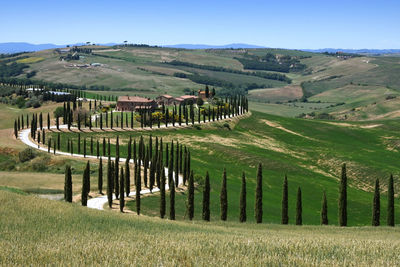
pixel 59 112
pixel 39 166
pixel 8 165
pixel 26 155
pixel 227 126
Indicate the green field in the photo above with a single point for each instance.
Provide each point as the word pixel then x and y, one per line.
pixel 310 153
pixel 142 71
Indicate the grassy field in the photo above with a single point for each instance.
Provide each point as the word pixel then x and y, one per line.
pixel 44 232
pixel 141 71
pixel 309 152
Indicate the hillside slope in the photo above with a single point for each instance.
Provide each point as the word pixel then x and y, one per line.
pixel 343 85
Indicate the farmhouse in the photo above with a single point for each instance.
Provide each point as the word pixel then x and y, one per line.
pixel 164 100
pixel 134 103
pixel 202 95
pixel 188 99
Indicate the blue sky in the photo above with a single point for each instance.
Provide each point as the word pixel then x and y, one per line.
pixel 286 23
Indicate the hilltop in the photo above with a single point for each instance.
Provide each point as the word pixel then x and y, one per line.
pixel 283 82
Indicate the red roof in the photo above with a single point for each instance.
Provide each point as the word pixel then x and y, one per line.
pixel 134 99
pixel 167 96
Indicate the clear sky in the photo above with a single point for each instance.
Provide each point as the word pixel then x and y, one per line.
pixel 286 23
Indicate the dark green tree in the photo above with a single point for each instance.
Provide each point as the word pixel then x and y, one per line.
pixel 68 184
pixel 100 177
pixel 243 204
pixel 110 179
pixel 285 203
pixel 85 185
pixel 127 178
pixel 121 191
pixel 376 205
pixel 116 178
pixel 299 208
pixel 190 205
pixel 138 189
pixel 15 129
pixel 162 195
pixel 258 210
pixel 172 200
pixel 206 198
pixel 324 210
pixel 224 198
pixel 390 212
pixel 342 205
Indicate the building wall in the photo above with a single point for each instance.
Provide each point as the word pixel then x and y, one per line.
pixel 132 106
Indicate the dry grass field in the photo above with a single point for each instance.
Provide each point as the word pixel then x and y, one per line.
pixel 39 232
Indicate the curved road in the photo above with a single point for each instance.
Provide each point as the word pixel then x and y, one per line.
pixel 96 202
pixel 99 202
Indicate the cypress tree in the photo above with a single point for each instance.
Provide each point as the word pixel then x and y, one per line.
pixel 85 187
pixel 116 178
pixel 190 207
pixel 117 148
pixel 138 189
pixel 343 198
pixel 58 141
pixel 324 210
pixel 390 212
pixel 285 205
pixel 41 121
pixel 91 145
pixel 299 208
pixel 162 195
pixel 97 148
pixel 134 150
pixel 185 167
pixel 127 178
pixel 68 184
pixel 258 203
pixel 110 177
pixel 171 164
pixel 104 146
pixel 121 191
pixel 224 198
pixel 172 200
pixel 188 164
pixel 15 129
pixel 376 206
pixel 88 177
pixel 109 147
pixel 100 177
pixel 176 170
pixel 79 143
pixel 48 121
pixel 79 121
pixel 84 147
pixel 242 204
pixel 206 199
pixel 145 166
pixel 130 148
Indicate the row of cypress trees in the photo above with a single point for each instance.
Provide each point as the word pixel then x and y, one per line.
pixel 342 204
pixel 120 185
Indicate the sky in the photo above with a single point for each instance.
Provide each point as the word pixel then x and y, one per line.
pixel 291 24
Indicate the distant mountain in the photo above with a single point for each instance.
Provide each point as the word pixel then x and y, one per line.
pixel 15 47
pixel 204 46
pixel 355 51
